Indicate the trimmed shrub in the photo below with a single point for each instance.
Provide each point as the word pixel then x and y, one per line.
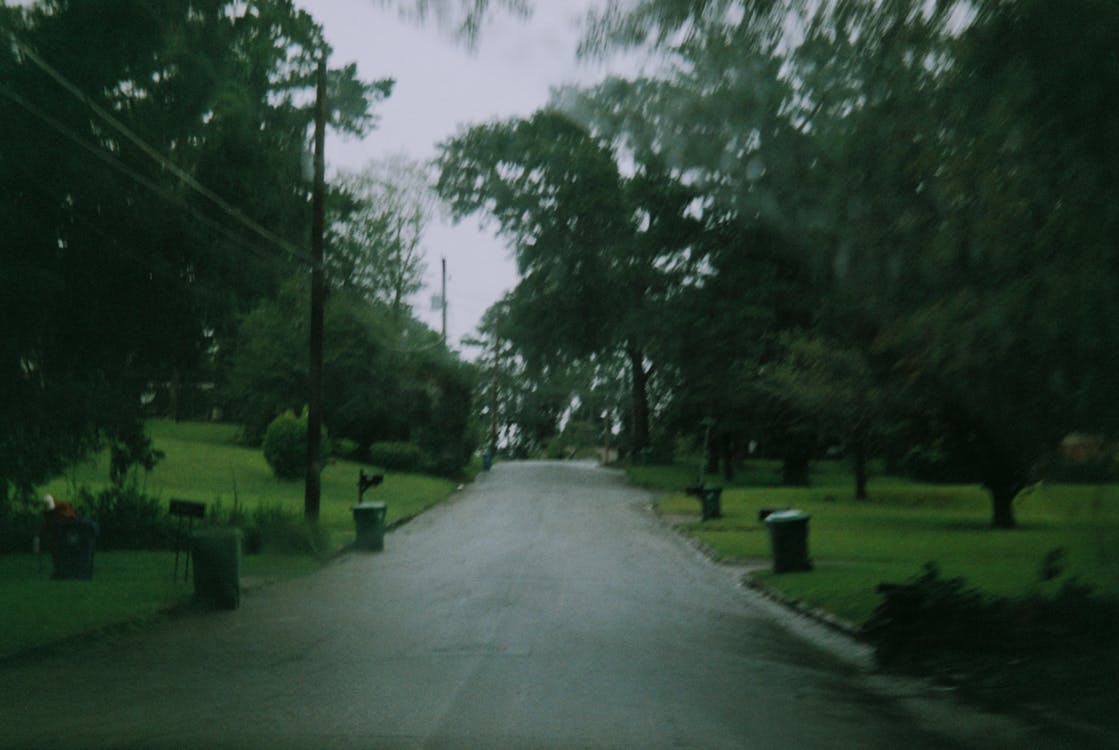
pixel 397 456
pixel 1004 650
pixel 127 519
pixel 285 445
pixel 271 528
pixel 17 528
pixel 347 449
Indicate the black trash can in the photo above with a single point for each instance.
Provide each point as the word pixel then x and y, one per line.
pixel 217 566
pixel 369 520
pixel 788 535
pixel 711 497
pixel 75 540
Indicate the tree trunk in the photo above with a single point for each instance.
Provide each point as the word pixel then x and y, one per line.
pixel 1004 479
pixel 860 480
pixel 795 468
pixel 858 460
pixel 174 389
pixel 999 462
pixel 640 399
pixel 1002 501
pixel 728 457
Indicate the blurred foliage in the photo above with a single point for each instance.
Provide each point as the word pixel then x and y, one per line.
pixel 396 456
pixel 118 270
pixel 127 518
pixel 897 228
pixel 285 445
pixel 388 378
pixel 1060 649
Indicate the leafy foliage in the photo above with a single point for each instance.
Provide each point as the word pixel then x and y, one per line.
pixel 997 648
pixel 133 241
pixel 932 177
pixel 387 378
pixel 127 518
pixel 598 253
pixel 376 237
pixel 18 525
pixel 272 528
pixel 396 456
pixel 285 445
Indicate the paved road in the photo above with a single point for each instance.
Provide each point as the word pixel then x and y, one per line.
pixel 544 608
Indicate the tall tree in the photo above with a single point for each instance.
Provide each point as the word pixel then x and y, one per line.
pixel 1018 276
pixel 130 189
pixel 376 244
pixel 961 175
pixel 597 251
pixel 717 118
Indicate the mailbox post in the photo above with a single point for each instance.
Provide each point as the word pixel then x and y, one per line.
pixel 369 518
pixel 189 510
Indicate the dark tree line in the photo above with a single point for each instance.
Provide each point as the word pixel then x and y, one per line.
pixel 151 196
pixel 875 225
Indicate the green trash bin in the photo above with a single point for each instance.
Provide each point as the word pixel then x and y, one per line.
pixel 74 554
pixel 712 502
pixel 369 519
pixel 216 554
pixel 788 536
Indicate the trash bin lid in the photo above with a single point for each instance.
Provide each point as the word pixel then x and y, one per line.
pixel 787 516
pixel 370 506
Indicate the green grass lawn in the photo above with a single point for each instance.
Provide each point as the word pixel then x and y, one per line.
pixel 127 587
pixel 856 545
pixel 206 463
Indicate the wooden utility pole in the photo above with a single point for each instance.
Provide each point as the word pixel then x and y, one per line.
pixel 493 394
pixel 443 301
pixel 313 490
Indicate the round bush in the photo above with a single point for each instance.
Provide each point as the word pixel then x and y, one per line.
pixel 285 445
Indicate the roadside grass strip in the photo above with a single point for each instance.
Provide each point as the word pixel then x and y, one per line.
pixel 128 588
pixel 204 462
pixel 855 545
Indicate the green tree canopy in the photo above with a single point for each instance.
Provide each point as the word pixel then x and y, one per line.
pixel 597 251
pixel 131 192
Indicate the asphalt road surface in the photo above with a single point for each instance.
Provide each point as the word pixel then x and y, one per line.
pixel 545 607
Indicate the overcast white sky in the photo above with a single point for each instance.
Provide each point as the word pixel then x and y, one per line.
pixel 440 87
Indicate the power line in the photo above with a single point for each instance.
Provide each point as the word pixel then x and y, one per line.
pixel 115 163
pixel 36 184
pixel 155 155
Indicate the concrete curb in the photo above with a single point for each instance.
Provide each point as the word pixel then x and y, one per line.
pixel 800 607
pixel 934 707
pixel 745 580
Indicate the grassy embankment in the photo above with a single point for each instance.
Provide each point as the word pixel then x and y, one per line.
pixel 857 544
pixel 204 463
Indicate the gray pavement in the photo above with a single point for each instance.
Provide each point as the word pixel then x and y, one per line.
pixel 545 607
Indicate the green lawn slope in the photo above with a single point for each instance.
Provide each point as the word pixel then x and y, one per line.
pixel 857 544
pixel 204 462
